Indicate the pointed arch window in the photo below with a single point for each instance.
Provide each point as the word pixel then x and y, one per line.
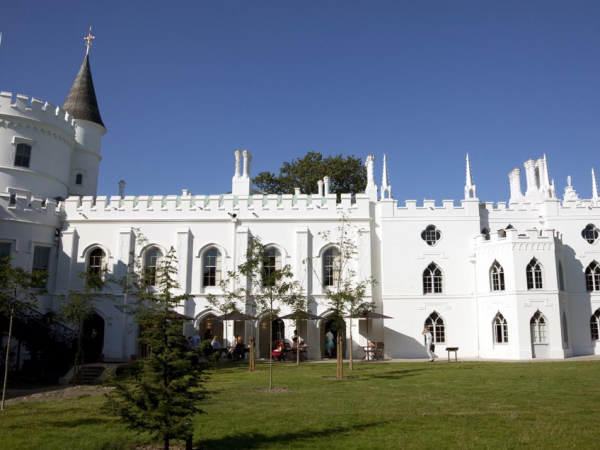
pixel 432 279
pixel 96 261
pixel 331 266
pixel 212 267
pixel 271 264
pixel 538 328
pixel 534 275
pixel 497 277
pixel 561 277
pixel 595 325
pixel 436 326
pixel 592 277
pixel 500 329
pixel 151 263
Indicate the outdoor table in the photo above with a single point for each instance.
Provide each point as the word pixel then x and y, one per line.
pixel 452 349
pixel 369 351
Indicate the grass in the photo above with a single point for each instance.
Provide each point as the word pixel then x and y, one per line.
pixel 405 405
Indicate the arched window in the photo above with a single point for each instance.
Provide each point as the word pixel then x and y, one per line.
pixel 538 328
pixel 497 277
pixel 592 277
pixel 565 329
pixel 331 266
pixel 212 267
pixel 594 324
pixel 590 233
pixel 435 324
pixel 561 277
pixel 431 235
pixel 79 179
pixel 96 261
pixel 432 279
pixel 23 155
pixel 271 263
pixel 151 261
pixel 500 329
pixel 534 275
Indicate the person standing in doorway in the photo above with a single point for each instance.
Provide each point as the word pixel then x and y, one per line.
pixel 329 343
pixel 428 343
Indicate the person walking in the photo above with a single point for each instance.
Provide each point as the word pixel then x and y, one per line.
pixel 428 343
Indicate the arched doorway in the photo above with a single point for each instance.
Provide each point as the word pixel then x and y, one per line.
pixel 93 338
pixel 209 326
pixel 336 330
pixel 278 330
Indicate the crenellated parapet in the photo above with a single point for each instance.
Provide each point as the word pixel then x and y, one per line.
pixel 514 239
pixel 215 207
pixel 35 110
pixel 429 208
pixel 27 207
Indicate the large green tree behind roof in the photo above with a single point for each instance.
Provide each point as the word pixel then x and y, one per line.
pixel 347 175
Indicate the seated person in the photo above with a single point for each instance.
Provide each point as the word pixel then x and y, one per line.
pixel 240 348
pixel 216 346
pixel 278 351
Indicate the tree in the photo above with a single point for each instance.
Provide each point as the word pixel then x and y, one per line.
pixel 165 392
pixel 78 306
pixel 267 287
pixel 345 296
pixel 347 175
pixel 19 290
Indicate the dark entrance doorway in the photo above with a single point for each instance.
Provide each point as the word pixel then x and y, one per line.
pixel 93 339
pixel 337 331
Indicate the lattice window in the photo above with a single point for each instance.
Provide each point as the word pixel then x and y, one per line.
pixel 212 267
pixel 431 235
pixel 538 328
pixel 23 155
pixel 534 275
pixel 590 233
pixel 592 277
pixel 151 265
pixel 271 264
pixel 41 262
pixel 436 326
pixel 500 329
pixel 594 325
pixel 497 277
pixel 432 279
pixel 331 266
pixel 96 261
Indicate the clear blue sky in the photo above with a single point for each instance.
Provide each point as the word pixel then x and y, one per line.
pixel 182 85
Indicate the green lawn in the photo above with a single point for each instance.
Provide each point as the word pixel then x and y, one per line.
pixel 404 405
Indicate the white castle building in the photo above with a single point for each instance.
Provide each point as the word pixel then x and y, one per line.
pixel 510 281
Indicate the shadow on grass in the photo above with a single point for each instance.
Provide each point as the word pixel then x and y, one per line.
pixel 259 440
pixel 394 374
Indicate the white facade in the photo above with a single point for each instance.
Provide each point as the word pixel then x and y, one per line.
pixel 464 267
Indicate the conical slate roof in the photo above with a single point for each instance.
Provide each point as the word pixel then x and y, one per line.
pixel 81 102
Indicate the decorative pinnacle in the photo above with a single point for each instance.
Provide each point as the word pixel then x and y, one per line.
pixel 594 187
pixel 89 39
pixel 469 175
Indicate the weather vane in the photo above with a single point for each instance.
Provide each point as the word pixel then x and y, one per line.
pixel 88 38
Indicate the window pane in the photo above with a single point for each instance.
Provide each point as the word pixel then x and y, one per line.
pixel 22 155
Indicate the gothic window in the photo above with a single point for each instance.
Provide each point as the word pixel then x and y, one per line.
pixel 497 277
pixel 561 277
pixel 331 266
pixel 565 329
pixel 96 261
pixel 5 248
pixel 41 262
pixel 151 263
pixel 431 235
pixel 592 277
pixel 79 179
pixel 590 233
pixel 594 325
pixel 538 328
pixel 432 279
pixel 500 329
pixel 534 275
pixel 23 155
pixel 212 267
pixel 271 264
pixel 437 328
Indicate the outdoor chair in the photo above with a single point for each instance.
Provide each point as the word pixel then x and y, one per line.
pixel 378 353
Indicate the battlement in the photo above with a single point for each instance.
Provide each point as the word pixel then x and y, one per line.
pixel 216 207
pixel 27 204
pixel 516 236
pixel 36 110
pixel 429 209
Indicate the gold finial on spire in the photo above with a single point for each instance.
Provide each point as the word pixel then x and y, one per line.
pixel 88 38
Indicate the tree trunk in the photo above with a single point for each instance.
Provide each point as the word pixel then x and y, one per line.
pixel 189 443
pixel 252 354
pixel 12 313
pixel 271 346
pixel 166 442
pixel 351 360
pixel 340 357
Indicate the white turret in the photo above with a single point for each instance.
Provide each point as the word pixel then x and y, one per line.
pixel 470 188
pixel 385 180
pixel 241 184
